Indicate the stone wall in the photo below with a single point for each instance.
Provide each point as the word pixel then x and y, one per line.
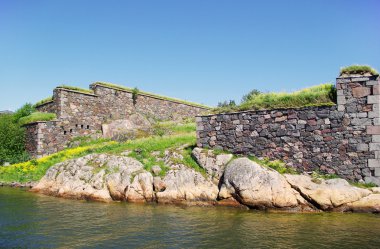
pixel 83 114
pixel 342 139
pixel 47 107
pixel 42 138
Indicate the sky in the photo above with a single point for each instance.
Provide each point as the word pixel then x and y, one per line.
pixel 204 51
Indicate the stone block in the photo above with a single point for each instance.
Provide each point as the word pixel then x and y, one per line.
pixel 362 147
pixel 374 114
pixel 343 80
pixel 198 119
pixel 361 121
pixel 374 146
pixel 281 119
pixel 373 130
pixel 341 108
pixel 377 154
pixel 377 171
pixel 358 79
pixel 374 163
pixel 372 82
pixel 376 138
pixel 360 92
pixel 373 99
pixel 341 100
pixel 376 90
pixel 376 121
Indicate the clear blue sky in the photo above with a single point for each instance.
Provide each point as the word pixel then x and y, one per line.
pixel 199 50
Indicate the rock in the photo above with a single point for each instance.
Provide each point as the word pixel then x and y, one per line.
pixel 372 179
pixel 156 170
pixel 369 204
pixel 158 184
pixel 259 187
pixel 375 190
pixel 134 122
pixel 185 185
pixel 98 177
pixel 213 164
pixel 327 194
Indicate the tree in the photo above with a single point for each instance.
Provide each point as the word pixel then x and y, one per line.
pixel 251 95
pixel 12 136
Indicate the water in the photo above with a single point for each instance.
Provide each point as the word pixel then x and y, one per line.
pixel 28 220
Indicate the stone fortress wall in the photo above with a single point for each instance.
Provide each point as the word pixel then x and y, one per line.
pixel 342 139
pixel 80 114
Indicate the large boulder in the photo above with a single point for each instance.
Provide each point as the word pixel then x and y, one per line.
pixel 187 186
pixel 369 204
pixel 333 194
pixel 259 187
pixel 98 177
pixel 213 163
pixel 132 123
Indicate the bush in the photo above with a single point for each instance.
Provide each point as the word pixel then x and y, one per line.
pixel 226 103
pixel 251 95
pixel 12 136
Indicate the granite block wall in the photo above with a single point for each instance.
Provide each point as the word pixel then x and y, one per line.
pixel 83 114
pixel 342 139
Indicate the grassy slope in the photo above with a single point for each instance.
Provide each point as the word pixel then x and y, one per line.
pixel 141 149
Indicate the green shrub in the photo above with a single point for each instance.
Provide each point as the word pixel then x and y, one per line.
pixel 358 69
pixel 37 116
pixel 12 136
pixel 250 96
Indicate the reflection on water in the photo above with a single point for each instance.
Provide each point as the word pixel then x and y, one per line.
pixel 36 221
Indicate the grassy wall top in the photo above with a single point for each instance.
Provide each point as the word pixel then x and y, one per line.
pixel 77 89
pixel 358 69
pixel 44 101
pixel 321 95
pixel 128 89
pixel 37 116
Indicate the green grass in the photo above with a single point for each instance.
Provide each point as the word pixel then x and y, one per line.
pixel 77 89
pixel 131 90
pixel 363 185
pixel 321 95
pixel 358 69
pixel 37 116
pixel 141 149
pixel 44 101
pixel 277 165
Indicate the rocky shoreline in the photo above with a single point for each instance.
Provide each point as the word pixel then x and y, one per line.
pixel 227 181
